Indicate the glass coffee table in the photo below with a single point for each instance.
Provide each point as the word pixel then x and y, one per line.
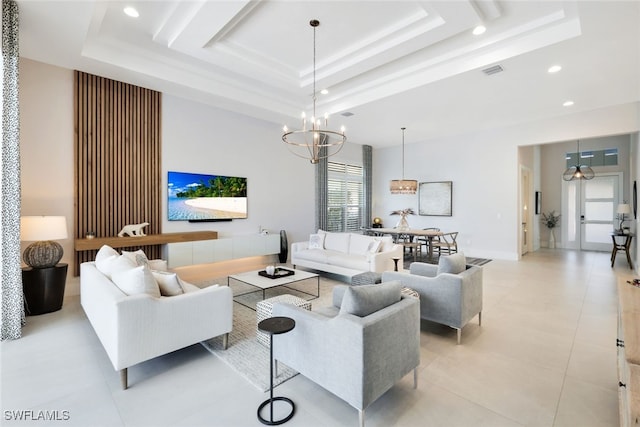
pixel 263 283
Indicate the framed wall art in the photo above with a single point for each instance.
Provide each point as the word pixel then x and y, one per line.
pixel 435 198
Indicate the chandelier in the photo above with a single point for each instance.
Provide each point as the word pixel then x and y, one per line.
pixel 313 141
pixel 403 186
pixel 578 171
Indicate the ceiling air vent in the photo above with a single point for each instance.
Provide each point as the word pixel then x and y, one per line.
pixel 493 70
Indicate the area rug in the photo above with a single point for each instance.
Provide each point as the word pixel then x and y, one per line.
pixel 245 354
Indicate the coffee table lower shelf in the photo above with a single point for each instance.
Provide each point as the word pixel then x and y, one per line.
pixel 252 278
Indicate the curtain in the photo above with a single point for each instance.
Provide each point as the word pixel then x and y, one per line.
pixel 367 172
pixel 322 190
pixel 10 272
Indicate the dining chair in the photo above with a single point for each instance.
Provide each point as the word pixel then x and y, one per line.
pixel 447 243
pixel 424 241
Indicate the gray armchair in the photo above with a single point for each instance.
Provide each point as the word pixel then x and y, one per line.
pixel 359 347
pixel 452 299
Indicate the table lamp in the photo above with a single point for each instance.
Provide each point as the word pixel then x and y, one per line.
pixel 623 209
pixel 42 230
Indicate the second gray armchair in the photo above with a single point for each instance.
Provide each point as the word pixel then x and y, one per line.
pixel 450 293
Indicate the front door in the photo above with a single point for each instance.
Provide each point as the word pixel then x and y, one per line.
pixel 590 211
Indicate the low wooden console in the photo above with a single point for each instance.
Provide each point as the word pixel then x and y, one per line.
pixel 628 344
pixel 152 239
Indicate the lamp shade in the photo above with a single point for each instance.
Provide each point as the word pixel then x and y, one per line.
pixel 37 228
pixel 42 230
pixel 624 208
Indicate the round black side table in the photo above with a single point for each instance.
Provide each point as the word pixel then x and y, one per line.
pixel 274 326
pixel 43 288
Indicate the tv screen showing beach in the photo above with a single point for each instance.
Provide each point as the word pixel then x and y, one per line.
pixel 194 196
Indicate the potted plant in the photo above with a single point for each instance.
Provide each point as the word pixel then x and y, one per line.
pixel 551 220
pixel 403 224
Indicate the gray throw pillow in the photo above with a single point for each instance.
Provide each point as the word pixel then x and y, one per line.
pixel 454 264
pixel 366 299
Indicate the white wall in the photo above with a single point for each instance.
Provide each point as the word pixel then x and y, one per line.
pixel 46 148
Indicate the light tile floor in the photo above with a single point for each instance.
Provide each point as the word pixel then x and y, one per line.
pixel 544 356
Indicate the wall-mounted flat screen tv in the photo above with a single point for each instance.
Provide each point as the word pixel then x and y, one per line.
pixel 197 197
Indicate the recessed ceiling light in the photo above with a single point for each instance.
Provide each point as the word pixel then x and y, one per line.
pixel 567 104
pixel 324 91
pixel 554 69
pixel 480 29
pixel 131 11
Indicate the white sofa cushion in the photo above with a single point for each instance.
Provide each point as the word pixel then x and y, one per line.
pixel 169 283
pixel 105 252
pixel 315 255
pixel 138 257
pixel 387 243
pixel 359 244
pixel 354 262
pixel 337 242
pixel 138 280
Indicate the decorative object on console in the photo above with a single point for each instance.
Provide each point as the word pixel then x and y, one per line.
pixel 197 197
pixel 43 230
pixel 578 171
pixel 314 143
pixel 133 230
pixel 377 223
pixel 403 224
pixel 623 209
pixel 284 247
pixel 403 186
pixel 436 198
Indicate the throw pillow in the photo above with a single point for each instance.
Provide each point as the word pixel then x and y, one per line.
pixel 138 257
pixel 158 264
pixel 316 241
pixel 105 252
pixel 169 283
pixel 454 264
pixel 113 264
pixel 366 299
pixel 374 247
pixel 138 280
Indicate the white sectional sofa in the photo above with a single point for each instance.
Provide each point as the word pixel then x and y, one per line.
pixel 139 326
pixel 345 254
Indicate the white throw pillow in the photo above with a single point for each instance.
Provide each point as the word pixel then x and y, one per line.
pixel 138 257
pixel 114 264
pixel 374 247
pixel 169 283
pixel 316 241
pixel 138 280
pixel 158 264
pixel 105 252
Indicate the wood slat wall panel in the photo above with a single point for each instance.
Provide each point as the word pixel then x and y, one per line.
pixel 117 159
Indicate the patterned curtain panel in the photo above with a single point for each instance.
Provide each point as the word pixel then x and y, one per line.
pixel 367 171
pixel 10 272
pixel 322 206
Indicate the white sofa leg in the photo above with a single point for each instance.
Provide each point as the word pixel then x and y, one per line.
pixel 480 319
pixel 123 378
pixel 225 341
pixel 459 334
pixel 415 378
pixel 361 417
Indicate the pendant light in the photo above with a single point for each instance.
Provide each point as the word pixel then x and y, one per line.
pixel 403 186
pixel 578 171
pixel 315 140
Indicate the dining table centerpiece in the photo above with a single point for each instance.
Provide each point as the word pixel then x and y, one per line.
pixel 402 223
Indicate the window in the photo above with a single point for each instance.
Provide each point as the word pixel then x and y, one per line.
pixel 608 157
pixel 345 197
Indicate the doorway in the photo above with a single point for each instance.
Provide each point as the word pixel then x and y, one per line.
pixel 589 210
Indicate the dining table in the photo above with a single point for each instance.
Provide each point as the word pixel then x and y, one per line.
pixel 430 235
